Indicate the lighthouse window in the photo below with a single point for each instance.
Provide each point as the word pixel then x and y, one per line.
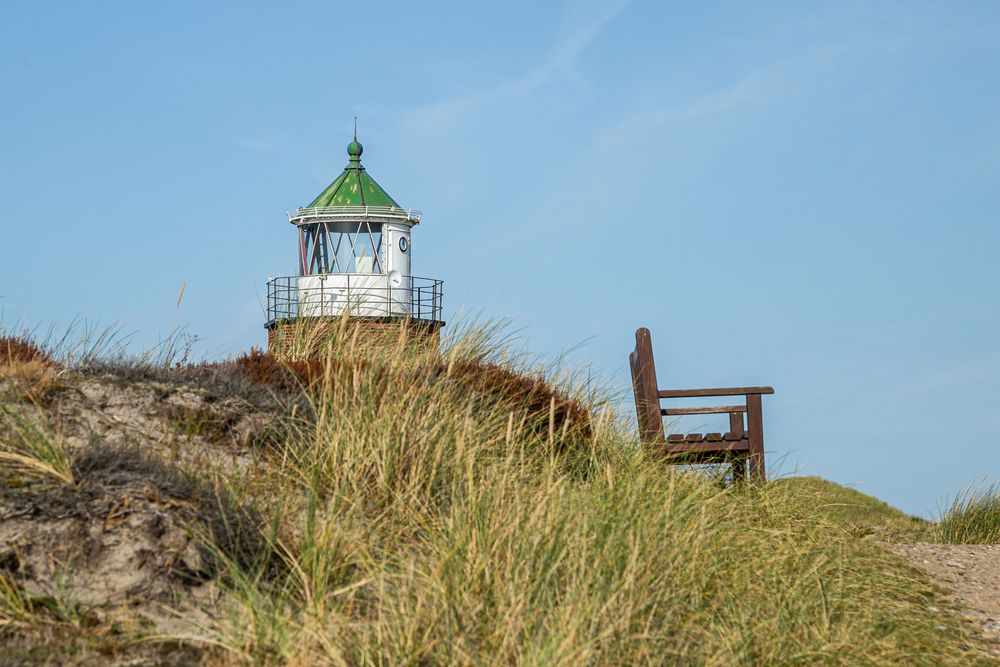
pixel 343 247
pixel 403 243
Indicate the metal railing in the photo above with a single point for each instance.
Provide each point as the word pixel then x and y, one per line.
pixel 355 212
pixel 417 298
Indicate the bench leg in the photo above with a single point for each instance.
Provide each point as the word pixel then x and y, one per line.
pixel 755 426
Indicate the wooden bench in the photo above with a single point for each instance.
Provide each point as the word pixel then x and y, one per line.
pixel 743 444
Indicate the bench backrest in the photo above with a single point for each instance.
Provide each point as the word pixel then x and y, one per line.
pixel 647 400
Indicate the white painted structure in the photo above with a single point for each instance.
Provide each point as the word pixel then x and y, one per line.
pixel 354 256
pixel 367 261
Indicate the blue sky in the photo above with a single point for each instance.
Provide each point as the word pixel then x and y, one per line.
pixel 805 195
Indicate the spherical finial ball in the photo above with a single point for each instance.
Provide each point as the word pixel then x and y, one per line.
pixel 354 149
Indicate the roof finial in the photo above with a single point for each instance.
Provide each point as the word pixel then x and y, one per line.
pixel 354 148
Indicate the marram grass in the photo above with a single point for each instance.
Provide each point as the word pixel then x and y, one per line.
pixel 430 522
pixel 973 517
pixel 30 452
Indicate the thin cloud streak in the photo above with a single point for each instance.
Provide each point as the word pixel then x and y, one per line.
pixel 771 82
pixel 745 90
pixel 439 115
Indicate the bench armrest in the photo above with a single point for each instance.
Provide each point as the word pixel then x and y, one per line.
pixel 715 410
pixel 727 391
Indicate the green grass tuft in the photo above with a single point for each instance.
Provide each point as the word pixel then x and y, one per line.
pixel 973 517
pixel 28 452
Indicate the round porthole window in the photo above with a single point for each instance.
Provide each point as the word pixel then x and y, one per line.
pixel 403 243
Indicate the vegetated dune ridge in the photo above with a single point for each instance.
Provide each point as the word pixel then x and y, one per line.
pixel 389 507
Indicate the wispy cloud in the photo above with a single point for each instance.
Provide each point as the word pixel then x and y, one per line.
pixel 748 88
pixel 767 82
pixel 560 62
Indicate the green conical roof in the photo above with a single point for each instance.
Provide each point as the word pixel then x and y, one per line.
pixel 354 187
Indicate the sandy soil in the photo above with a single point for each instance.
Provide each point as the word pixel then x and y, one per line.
pixel 118 551
pixel 971 572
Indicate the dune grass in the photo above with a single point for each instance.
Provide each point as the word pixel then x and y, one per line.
pixel 859 514
pixel 466 508
pixel 414 518
pixel 29 452
pixel 973 517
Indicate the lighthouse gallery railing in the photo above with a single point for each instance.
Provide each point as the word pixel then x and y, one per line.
pixel 418 298
pixel 351 212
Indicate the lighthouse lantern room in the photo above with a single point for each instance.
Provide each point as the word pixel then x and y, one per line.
pixel 354 259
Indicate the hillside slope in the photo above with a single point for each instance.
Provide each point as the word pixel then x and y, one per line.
pixel 399 510
pixel 859 514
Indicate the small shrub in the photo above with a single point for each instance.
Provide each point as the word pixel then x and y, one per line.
pixel 973 517
pixel 20 349
pixel 265 369
pixel 26 371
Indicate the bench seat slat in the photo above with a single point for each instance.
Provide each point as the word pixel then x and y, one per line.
pixel 696 442
pixel 711 437
pixel 703 448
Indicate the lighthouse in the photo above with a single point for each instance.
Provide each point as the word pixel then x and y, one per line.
pixel 354 256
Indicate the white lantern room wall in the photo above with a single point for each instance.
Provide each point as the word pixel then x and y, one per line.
pixel 396 247
pixel 360 265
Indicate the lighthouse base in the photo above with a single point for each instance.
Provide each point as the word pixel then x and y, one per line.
pixel 313 337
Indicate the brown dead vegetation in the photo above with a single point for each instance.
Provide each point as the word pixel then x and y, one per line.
pixel 545 408
pixel 20 349
pixel 26 371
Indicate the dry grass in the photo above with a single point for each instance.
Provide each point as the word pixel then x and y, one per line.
pixel 320 338
pixel 26 371
pixel 538 403
pixel 31 381
pixel 461 507
pixel 21 349
pixel 417 523
pixel 28 452
pixel 859 514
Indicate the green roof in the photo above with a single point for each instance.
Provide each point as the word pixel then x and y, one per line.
pixel 354 187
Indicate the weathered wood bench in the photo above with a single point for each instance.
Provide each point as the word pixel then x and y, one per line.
pixel 743 444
